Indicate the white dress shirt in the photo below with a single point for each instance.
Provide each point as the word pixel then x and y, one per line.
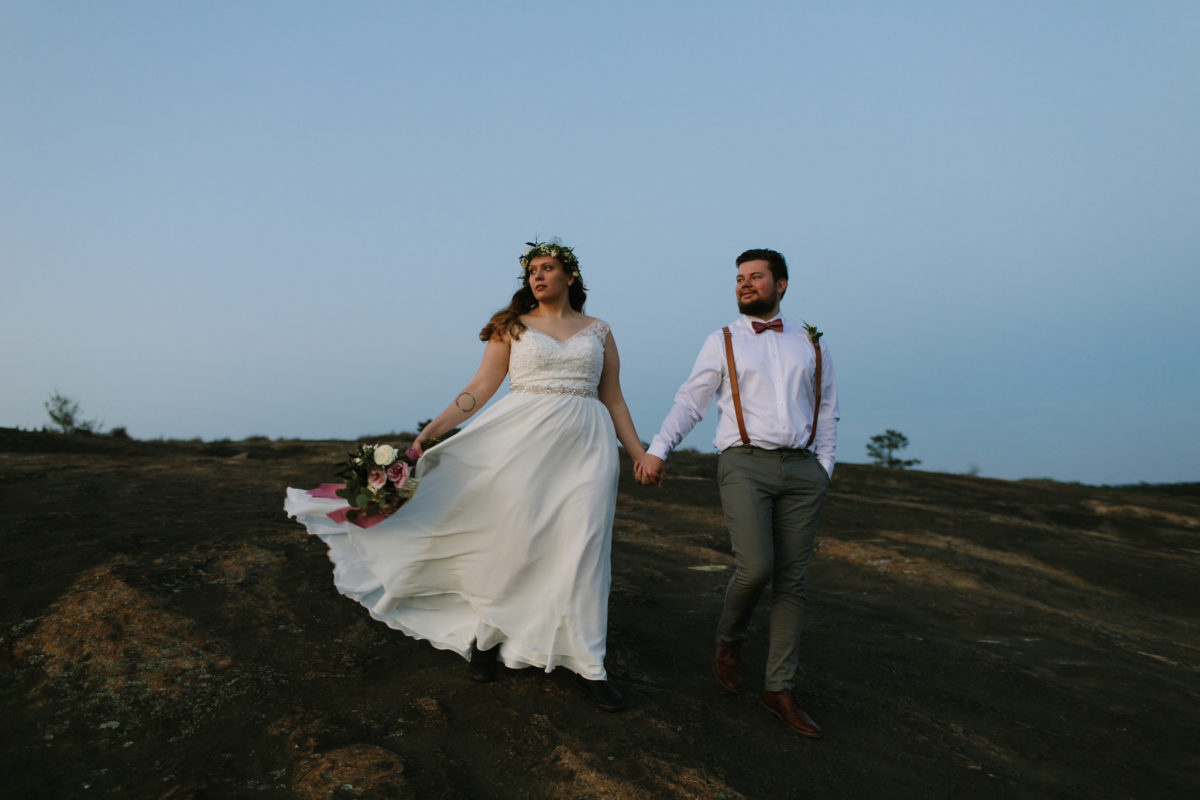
pixel 775 381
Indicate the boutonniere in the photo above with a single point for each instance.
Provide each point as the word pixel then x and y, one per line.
pixel 814 335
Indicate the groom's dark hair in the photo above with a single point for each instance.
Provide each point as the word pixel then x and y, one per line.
pixel 773 258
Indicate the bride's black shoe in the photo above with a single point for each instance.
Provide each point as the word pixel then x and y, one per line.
pixel 483 664
pixel 602 693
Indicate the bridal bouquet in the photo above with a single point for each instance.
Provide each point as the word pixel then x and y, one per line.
pixel 379 479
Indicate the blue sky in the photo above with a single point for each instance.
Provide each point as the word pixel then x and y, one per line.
pixel 291 219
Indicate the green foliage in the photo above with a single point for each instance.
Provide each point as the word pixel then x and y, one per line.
pixel 64 413
pixel 882 450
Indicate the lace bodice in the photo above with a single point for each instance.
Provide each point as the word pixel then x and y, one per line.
pixel 539 362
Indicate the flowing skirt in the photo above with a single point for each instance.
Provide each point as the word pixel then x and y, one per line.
pixel 506 542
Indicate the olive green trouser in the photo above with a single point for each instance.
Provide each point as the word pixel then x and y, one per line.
pixel 772 502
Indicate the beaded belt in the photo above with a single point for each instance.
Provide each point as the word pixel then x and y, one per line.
pixel 532 389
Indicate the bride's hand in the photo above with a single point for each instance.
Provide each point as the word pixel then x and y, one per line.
pixel 649 470
pixel 418 445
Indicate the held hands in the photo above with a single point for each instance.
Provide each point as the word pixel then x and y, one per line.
pixel 648 470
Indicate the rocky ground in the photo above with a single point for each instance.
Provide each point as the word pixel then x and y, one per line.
pixel 167 633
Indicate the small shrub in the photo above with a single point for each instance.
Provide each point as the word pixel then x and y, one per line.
pixel 882 449
pixel 64 413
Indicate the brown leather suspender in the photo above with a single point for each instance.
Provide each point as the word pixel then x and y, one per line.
pixel 733 387
pixel 737 399
pixel 816 394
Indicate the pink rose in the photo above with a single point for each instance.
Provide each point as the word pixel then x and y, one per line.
pixel 376 478
pixel 398 473
pixel 412 455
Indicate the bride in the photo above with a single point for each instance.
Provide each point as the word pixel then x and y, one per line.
pixel 503 553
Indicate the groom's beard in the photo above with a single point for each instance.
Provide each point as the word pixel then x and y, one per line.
pixel 759 307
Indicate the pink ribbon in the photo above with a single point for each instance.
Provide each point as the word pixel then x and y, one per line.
pixel 362 520
pixel 329 490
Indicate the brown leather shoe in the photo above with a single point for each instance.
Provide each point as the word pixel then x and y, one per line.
pixel 727 666
pixel 781 705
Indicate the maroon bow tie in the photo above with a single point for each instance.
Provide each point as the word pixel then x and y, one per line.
pixel 773 325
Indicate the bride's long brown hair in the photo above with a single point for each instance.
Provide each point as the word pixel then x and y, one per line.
pixel 507 320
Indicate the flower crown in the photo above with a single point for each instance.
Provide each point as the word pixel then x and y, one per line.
pixel 554 249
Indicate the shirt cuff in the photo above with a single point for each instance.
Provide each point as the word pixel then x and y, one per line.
pixel 658 448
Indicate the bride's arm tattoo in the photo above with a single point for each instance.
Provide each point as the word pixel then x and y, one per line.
pixel 468 405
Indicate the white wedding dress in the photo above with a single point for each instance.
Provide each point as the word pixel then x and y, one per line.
pixel 508 536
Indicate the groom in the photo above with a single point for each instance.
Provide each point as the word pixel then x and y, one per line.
pixel 777 433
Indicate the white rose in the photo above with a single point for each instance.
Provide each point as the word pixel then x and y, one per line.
pixel 385 454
